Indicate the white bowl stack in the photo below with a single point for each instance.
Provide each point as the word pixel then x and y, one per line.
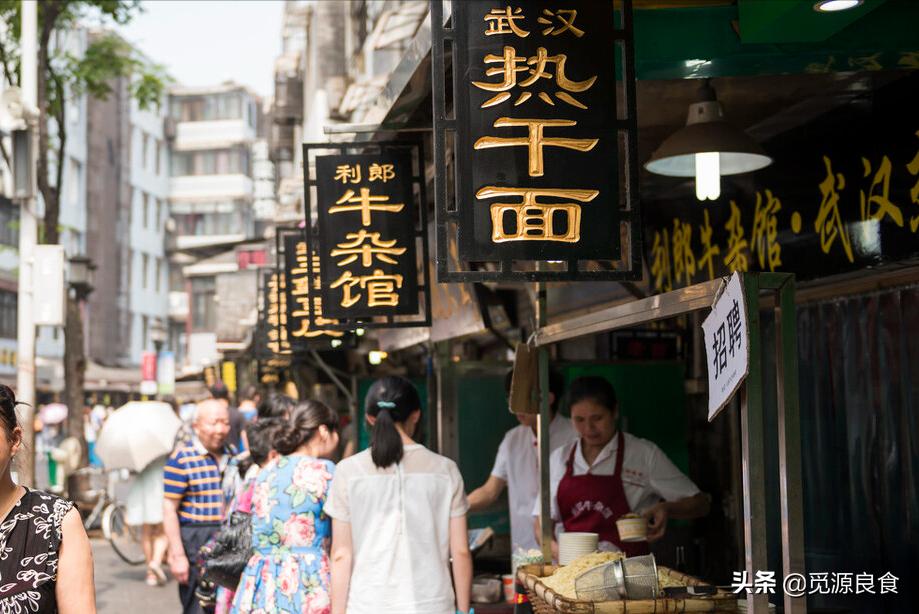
pixel 574 545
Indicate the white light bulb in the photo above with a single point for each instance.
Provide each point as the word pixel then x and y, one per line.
pixel 832 6
pixel 708 176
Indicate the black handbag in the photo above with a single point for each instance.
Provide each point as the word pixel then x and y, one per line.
pixel 230 552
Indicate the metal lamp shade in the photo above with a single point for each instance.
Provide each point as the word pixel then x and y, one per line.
pixel 81 273
pixel 676 156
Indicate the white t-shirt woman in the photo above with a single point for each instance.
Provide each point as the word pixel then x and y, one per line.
pixel 398 517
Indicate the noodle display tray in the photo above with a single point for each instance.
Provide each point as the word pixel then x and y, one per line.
pixel 546 601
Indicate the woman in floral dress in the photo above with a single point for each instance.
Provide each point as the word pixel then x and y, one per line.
pixel 289 570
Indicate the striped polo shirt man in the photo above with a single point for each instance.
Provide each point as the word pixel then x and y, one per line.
pixel 193 477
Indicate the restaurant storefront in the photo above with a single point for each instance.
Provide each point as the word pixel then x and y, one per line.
pixel 838 207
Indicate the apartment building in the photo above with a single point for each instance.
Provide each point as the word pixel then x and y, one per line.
pixel 149 193
pixel 336 59
pixel 211 204
pixel 127 189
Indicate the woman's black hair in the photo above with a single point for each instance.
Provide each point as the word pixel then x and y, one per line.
pixel 305 419
pixel 390 400
pixel 249 392
pixel 261 435
pixel 8 405
pixel 275 405
pixel 593 388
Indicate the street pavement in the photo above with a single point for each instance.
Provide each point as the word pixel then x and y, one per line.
pixel 120 587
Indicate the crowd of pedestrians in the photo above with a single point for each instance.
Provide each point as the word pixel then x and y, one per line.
pixel 383 531
pixel 378 533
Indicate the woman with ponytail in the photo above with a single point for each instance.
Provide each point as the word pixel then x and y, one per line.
pixel 47 564
pixel 289 568
pixel 398 518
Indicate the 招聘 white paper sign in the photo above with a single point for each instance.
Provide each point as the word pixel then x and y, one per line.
pixel 726 346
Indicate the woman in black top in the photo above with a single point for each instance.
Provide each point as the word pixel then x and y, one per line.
pixel 46 564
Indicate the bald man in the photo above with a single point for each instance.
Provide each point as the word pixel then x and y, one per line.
pixel 193 504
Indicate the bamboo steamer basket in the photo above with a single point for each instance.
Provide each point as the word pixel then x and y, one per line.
pixel 546 601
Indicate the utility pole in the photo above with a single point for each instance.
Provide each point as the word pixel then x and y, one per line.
pixel 28 233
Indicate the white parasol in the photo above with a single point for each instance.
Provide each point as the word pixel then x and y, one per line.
pixel 136 434
pixel 53 413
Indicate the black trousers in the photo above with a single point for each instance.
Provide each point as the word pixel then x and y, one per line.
pixel 193 537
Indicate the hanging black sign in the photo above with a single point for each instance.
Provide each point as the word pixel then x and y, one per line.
pixel 276 312
pixel 303 296
pixel 370 242
pixel 537 155
pixel 842 195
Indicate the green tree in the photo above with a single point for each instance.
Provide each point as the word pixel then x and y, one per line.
pixel 60 73
pixel 106 61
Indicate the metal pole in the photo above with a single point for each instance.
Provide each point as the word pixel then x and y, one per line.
pixel 752 445
pixel 545 419
pixel 28 233
pixel 789 420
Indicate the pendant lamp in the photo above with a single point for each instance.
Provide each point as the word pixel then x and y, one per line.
pixel 707 148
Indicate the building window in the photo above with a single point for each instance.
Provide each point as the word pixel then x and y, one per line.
pixel 159 155
pixel 212 107
pixel 144 145
pixel 8 301
pixel 203 306
pixel 144 265
pixel 176 279
pixel 212 162
pixel 9 223
pixel 74 180
pixel 159 274
pixel 232 222
pixel 144 330
pixel 145 208
pixel 158 220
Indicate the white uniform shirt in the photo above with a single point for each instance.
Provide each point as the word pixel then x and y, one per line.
pixel 517 463
pixel 647 474
pixel 400 529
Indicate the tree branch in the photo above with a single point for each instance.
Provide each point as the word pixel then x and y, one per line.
pixel 49 12
pixel 6 156
pixel 61 131
pixel 11 79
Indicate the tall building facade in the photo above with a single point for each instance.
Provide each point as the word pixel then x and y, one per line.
pixel 127 188
pixel 149 190
pixel 108 193
pixel 211 198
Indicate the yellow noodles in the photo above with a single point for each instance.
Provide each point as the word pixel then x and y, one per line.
pixel 562 581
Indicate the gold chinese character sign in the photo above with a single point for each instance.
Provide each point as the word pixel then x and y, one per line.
pixel 537 140
pixel 302 294
pixel 840 198
pixel 370 254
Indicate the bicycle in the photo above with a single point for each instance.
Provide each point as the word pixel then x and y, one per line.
pixel 92 490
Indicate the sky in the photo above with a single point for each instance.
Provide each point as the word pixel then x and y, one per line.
pixel 211 41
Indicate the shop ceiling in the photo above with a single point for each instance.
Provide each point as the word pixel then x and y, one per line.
pixel 772 37
pixel 765 56
pixel 776 64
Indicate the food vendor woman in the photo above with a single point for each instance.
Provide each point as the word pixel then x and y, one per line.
pixel 606 474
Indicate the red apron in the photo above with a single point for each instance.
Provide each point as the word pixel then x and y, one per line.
pixel 592 503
